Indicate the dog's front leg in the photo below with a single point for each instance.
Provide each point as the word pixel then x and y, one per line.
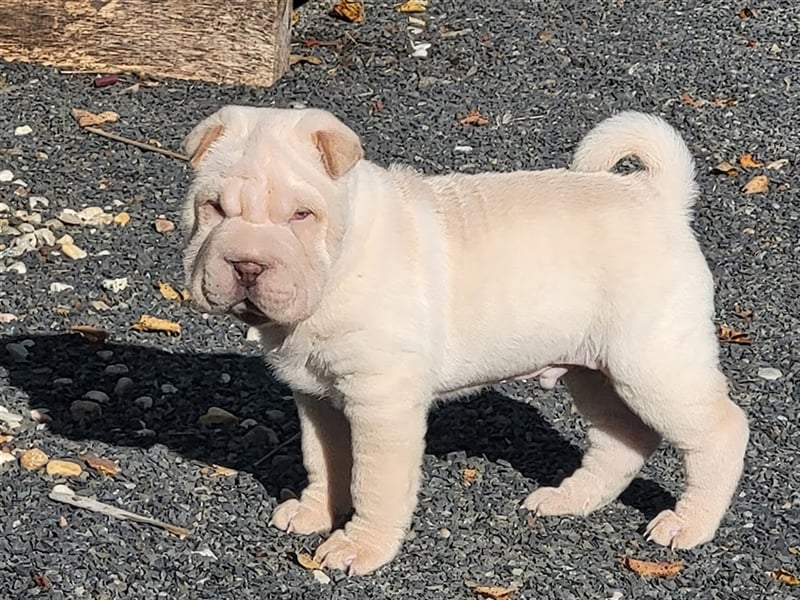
pixel 327 458
pixel 388 437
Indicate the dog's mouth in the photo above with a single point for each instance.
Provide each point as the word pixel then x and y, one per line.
pixel 248 312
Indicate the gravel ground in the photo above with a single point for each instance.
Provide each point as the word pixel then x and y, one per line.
pixel 542 73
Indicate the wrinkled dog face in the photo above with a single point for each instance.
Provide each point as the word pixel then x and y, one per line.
pixel 267 210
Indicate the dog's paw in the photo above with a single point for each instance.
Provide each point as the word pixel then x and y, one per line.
pixel 678 531
pixel 296 516
pixel 354 552
pixel 550 501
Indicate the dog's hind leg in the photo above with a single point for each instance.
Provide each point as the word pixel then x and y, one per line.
pixel 676 387
pixel 619 443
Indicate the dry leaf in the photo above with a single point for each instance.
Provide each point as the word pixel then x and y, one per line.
pixel 647 568
pixel 742 313
pixel 5 438
pixel 726 168
pixel 92 334
pixel 778 164
pixel 723 102
pixel 757 185
pixel 794 550
pixel 304 58
pixel 218 471
pixel 33 459
pixel 305 560
pixel 148 323
pixel 746 13
pixel 786 577
pixel 295 17
pixel 122 219
pixel 687 99
pixel 89 119
pixel 170 293
pixel 164 225
pixel 730 335
pixel 748 162
pixel 546 35
pixel 104 466
pixel 63 468
pixel 41 580
pixel 349 10
pixel 62 493
pixel 493 592
pixel 469 476
pixel 474 118
pixel 413 6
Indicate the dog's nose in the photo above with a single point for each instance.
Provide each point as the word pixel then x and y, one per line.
pixel 248 272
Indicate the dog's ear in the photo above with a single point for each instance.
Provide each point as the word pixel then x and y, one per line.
pixel 199 140
pixel 339 146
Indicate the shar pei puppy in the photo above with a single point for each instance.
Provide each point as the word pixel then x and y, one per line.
pixel 377 291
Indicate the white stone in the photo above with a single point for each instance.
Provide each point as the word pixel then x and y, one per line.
pixel 6 175
pixel 321 577
pixel 18 267
pixel 769 373
pixel 23 130
pixel 57 287
pixel 115 285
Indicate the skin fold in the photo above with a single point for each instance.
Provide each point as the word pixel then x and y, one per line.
pixel 377 291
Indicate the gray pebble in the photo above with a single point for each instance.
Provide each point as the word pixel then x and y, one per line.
pixel 17 351
pixel 116 369
pixel 123 387
pixel 97 396
pixel 144 402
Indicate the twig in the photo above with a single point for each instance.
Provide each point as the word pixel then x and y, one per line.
pixel 138 144
pixel 275 450
pixel 784 59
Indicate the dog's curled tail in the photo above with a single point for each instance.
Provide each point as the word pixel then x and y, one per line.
pixel 659 148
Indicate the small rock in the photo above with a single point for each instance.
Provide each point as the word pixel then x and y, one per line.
pixel 23 130
pixel 205 552
pixel 168 388
pixel 36 201
pixel 41 415
pixel 320 577
pixel 99 305
pixel 116 369
pixel 6 176
pixel 224 378
pixel 33 459
pixel 217 416
pixel 6 457
pixel 445 533
pixel 463 149
pixel 21 244
pixel 253 335
pixel 164 225
pixel 62 522
pixel 122 219
pixel 65 239
pixel 90 213
pixel 70 217
pixel 57 287
pixel 62 382
pixel 12 420
pixel 63 468
pixel 248 423
pixel 97 396
pixel 4 208
pixel 261 436
pixel 105 355
pixel 73 251
pixel 123 387
pixel 85 410
pixel 144 402
pixel 45 237
pixel 115 285
pixel 8 317
pixel 53 224
pixel 769 373
pixel 18 267
pixel 26 228
pixel 275 415
pixel 17 351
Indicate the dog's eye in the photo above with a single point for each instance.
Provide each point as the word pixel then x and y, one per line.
pixel 301 214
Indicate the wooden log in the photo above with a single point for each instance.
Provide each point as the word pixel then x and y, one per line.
pixel 222 41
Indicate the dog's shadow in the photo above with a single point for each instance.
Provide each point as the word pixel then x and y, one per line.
pixel 166 393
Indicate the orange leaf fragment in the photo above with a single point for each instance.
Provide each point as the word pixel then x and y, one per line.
pixel 351 11
pixel 474 118
pixel 89 119
pixel 746 13
pixel 413 6
pixel 786 577
pixel 494 592
pixel 647 568
pixel 170 293
pixel 757 185
pixel 305 560
pixel 469 476
pixel 104 466
pixel 148 323
pixel 748 162
pixel 730 335
pixel 90 333
pixel 687 99
pixel 742 313
pixel 723 102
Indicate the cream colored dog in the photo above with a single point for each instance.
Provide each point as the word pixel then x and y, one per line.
pixel 378 290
